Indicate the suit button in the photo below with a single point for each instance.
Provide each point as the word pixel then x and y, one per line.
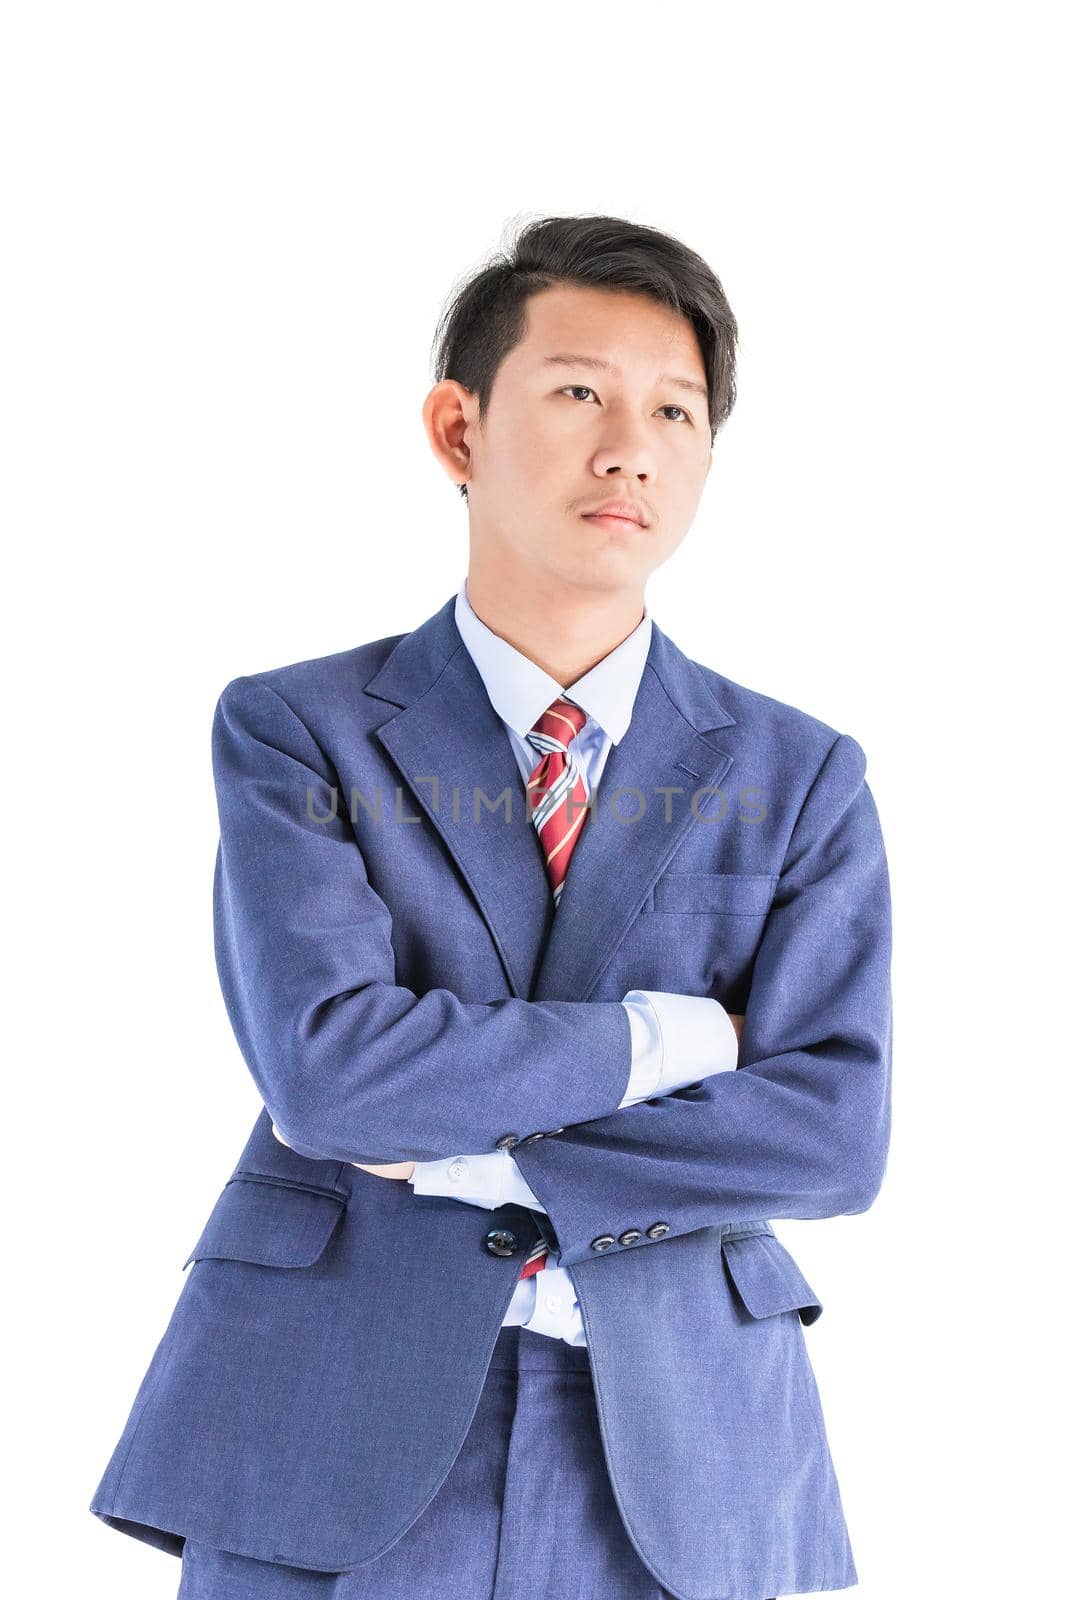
pixel 657 1230
pixel 630 1236
pixel 501 1242
pixel 603 1242
pixel 506 1141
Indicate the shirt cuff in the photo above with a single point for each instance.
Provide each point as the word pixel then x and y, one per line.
pixel 646 1042
pixel 484 1180
pixel 695 1035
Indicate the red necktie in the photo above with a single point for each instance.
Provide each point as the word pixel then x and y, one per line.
pixel 558 806
pixel 558 802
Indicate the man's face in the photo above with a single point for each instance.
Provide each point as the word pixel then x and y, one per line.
pixel 561 437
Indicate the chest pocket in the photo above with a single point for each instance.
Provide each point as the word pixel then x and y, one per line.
pixel 733 894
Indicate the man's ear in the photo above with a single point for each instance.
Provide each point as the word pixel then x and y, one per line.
pixel 448 411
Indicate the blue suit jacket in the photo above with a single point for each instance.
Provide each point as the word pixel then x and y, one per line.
pixel 402 988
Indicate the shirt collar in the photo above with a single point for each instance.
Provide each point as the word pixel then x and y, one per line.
pixel 520 691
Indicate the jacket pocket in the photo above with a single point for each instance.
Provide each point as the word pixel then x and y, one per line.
pixel 767 1278
pixel 273 1224
pixel 736 894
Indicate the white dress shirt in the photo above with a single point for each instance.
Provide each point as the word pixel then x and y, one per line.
pixel 676 1039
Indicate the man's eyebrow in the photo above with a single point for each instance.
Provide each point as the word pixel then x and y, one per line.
pixel 598 364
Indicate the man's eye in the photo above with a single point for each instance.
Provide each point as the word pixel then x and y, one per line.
pixel 573 387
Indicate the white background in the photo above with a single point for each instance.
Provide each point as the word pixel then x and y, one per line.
pixel 230 230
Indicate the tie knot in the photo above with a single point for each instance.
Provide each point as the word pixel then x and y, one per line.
pixel 562 720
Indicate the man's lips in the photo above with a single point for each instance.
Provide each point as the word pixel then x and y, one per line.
pixel 611 520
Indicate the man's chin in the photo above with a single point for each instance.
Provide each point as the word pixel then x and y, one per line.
pixel 608 572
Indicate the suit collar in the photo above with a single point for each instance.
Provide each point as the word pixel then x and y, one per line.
pixel 450 745
pixel 418 659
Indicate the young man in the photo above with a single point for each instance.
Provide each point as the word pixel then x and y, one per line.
pixel 492 1303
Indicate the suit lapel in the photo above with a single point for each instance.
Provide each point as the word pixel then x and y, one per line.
pixel 626 843
pixel 448 730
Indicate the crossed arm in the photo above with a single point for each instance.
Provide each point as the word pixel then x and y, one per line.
pixel 675 1070
pixel 353 1066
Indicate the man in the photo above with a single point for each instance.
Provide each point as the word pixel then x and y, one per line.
pixel 492 1297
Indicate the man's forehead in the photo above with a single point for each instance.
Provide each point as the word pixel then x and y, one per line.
pixel 605 335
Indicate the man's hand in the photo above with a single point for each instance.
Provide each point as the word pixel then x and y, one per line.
pixel 738 1023
pixel 397 1169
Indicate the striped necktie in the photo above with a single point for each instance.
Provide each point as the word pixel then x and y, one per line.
pixel 558 803
pixel 558 806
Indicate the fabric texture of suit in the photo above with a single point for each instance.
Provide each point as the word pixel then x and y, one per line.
pixel 677 1039
pixel 526 1511
pixel 402 988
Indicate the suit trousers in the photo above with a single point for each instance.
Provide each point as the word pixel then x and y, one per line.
pixel 526 1511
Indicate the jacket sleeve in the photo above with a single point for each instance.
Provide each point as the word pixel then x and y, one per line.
pixel 350 1064
pixel 801 1129
pixel 677 1040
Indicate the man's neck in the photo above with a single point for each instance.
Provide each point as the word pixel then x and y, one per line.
pixel 565 635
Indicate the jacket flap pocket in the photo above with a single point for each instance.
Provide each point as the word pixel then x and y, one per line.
pixel 271 1224
pixel 768 1279
pixel 735 893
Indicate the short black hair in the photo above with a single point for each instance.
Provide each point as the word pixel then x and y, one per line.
pixel 485 317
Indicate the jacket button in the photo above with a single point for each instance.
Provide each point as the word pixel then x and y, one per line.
pixel 501 1242
pixel 657 1230
pixel 630 1236
pixel 603 1242
pixel 506 1141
